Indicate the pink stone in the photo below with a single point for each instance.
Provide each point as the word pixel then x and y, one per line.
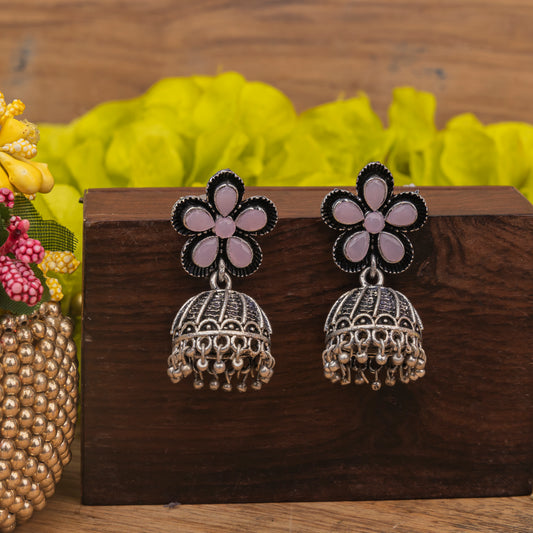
pixel 239 252
pixel 356 247
pixel 224 227
pixel 402 214
pixel 391 247
pixel 347 212
pixel 252 219
pixel 374 222
pixel 375 192
pixel 198 219
pixel 226 198
pixel 205 252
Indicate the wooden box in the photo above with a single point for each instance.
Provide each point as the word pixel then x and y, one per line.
pixel 466 429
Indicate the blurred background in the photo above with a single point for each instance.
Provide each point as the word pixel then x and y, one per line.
pixel 63 57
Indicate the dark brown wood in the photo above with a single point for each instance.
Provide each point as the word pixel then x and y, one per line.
pixel 63 57
pixel 65 514
pixel 464 430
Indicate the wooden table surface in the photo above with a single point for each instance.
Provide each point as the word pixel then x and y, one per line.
pixel 64 513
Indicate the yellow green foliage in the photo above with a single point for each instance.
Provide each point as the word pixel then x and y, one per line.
pixel 182 130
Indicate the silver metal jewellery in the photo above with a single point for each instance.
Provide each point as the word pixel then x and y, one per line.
pixel 373 333
pixel 222 335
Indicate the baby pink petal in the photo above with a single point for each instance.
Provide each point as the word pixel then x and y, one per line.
pixel 375 192
pixel 356 246
pixel 252 219
pixel 390 247
pixel 402 214
pixel 198 219
pixel 347 212
pixel 226 197
pixel 205 252
pixel 239 252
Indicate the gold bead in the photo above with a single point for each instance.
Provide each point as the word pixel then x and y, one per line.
pixel 66 327
pixel 9 341
pixel 46 453
pixel 26 353
pixel 31 467
pixel 7 498
pixel 8 322
pixel 40 473
pixel 49 431
pixel 52 389
pixel 70 349
pixel 51 368
pixel 40 403
pixel 63 444
pixel 46 347
pixel 61 341
pixel 69 383
pixel 26 512
pixel 36 445
pixel 39 504
pixel 5 469
pixel 62 396
pixel 58 355
pixel 7 449
pixel 18 503
pixel 10 406
pixel 26 417
pixel 39 424
pixel 38 328
pixel 24 334
pixel 50 490
pixel 40 382
pixel 26 374
pixel 39 361
pixel 9 428
pixel 9 524
pixel 54 309
pixel 66 363
pixel 52 410
pixel 27 396
pixel 24 487
pixel 10 363
pixel 52 321
pixel 11 384
pixel 22 440
pixel 19 459
pixel 34 491
pixel 61 417
pixel 14 479
pixel 3 515
pixel 50 333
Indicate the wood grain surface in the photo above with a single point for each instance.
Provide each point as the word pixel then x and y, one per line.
pixel 65 514
pixel 464 430
pixel 63 57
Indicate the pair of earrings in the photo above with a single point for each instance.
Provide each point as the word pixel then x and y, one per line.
pixel 373 333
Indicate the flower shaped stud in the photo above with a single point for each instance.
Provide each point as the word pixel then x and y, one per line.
pixel 221 227
pixel 373 222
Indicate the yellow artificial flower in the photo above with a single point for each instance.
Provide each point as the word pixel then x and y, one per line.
pixel 18 144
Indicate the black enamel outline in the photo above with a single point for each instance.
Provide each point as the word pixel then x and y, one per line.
pixel 182 205
pixel 225 176
pixel 186 256
pixel 267 206
pixel 393 268
pixel 326 209
pixel 370 170
pixel 256 260
pixel 417 201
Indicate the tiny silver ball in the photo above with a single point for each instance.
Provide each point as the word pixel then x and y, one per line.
pixel 359 379
pixel 226 387
pixel 256 385
pixel 344 358
pixel 381 359
pixel 219 367
pixel 362 357
pixel 411 361
pixel 198 384
pixel 241 387
pixel 238 363
pixel 264 371
pixel 186 369
pixel 345 381
pixel 214 384
pixel 397 358
pixel 333 365
pixel 376 385
pixel 202 365
pixel 420 372
pixel 420 363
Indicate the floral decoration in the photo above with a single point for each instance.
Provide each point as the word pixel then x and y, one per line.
pixel 373 222
pixel 221 227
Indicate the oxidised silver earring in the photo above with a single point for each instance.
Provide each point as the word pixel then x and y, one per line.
pixel 373 333
pixel 222 335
